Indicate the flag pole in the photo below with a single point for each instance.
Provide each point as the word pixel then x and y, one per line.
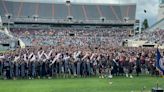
pixel 157 68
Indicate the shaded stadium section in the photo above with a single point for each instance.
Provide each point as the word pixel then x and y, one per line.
pixel 64 13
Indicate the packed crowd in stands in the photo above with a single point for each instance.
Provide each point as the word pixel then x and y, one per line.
pixel 3 38
pixel 72 36
pixel 71 61
pixel 156 36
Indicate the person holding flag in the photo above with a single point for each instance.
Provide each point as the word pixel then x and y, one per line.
pixel 160 62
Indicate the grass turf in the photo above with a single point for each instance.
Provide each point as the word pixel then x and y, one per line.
pixel 119 84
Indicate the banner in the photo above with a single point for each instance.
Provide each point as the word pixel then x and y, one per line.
pixel 160 61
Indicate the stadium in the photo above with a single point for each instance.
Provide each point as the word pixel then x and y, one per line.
pixel 79 47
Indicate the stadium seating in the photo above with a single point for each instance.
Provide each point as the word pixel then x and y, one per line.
pixel 72 36
pixel 62 10
pixel 156 36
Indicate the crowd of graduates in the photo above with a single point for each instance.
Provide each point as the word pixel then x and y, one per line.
pixel 70 61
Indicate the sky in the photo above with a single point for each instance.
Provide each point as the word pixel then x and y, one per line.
pixel 151 6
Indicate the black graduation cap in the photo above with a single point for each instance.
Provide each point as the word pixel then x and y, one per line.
pixel 145 11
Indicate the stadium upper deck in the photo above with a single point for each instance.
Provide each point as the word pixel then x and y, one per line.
pixel 67 13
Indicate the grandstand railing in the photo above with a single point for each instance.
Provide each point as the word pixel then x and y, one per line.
pixel 66 21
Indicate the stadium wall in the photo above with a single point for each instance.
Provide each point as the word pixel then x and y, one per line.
pixel 70 14
pixel 161 11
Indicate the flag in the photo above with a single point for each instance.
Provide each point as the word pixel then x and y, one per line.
pixel 159 61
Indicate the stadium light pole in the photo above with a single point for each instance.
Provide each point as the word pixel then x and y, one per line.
pixel 8 16
pixel 137 1
pixel 0 21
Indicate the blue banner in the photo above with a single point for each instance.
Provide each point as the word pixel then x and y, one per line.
pixel 160 61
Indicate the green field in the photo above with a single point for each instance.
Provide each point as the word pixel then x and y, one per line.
pixel 117 84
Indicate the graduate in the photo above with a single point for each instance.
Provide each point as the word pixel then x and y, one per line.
pixel 1 66
pixel 66 59
pixel 125 66
pixel 131 65
pixel 109 67
pixel 16 69
pixel 32 59
pixel 138 66
pixel 76 68
pixel 115 67
pixel 26 68
pixel 22 69
pixel 6 69
pixel 94 63
pixel 2 58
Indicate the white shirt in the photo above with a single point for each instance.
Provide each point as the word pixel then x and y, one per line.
pixel 33 58
pixel 16 58
pixel 24 57
pixel 56 58
pixel 66 57
pixel 40 54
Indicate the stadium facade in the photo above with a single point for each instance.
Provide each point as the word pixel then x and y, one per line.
pixel 160 20
pixel 161 10
pixel 67 13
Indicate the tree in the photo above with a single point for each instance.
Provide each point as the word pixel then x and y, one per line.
pixel 145 24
